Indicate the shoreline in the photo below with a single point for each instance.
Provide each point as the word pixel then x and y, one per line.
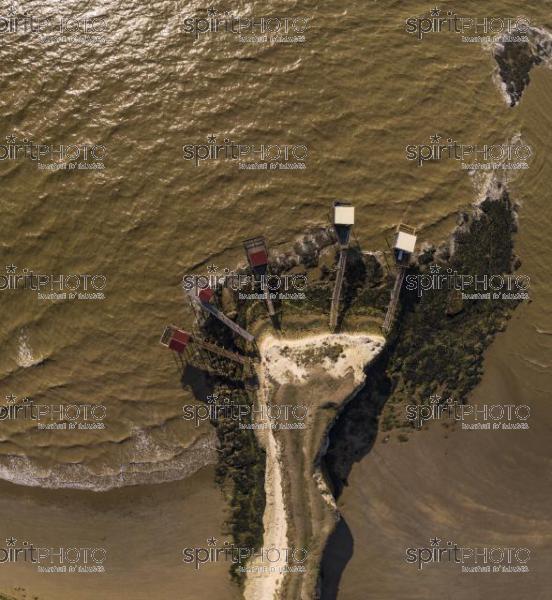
pixel 274 517
pixel 122 521
pixel 21 471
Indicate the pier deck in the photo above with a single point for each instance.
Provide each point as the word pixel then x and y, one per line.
pixel 341 265
pixel 207 306
pixel 393 302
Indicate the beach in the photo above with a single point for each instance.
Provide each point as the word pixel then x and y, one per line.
pixel 318 373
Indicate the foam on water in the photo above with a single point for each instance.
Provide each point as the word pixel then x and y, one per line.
pixel 25 356
pixel 150 465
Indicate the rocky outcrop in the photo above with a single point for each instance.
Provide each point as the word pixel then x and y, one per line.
pixel 516 59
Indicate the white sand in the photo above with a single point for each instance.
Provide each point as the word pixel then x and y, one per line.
pixel 358 350
pixel 281 362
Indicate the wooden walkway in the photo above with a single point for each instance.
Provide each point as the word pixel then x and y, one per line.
pixel 216 349
pixel 393 302
pixel 334 312
pixel 222 317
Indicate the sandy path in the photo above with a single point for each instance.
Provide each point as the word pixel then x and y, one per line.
pixel 282 362
pixel 259 584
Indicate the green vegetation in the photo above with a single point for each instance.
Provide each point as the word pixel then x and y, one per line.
pixel 436 347
pixel 439 339
pixel 437 344
pixel 241 471
pixel 314 355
